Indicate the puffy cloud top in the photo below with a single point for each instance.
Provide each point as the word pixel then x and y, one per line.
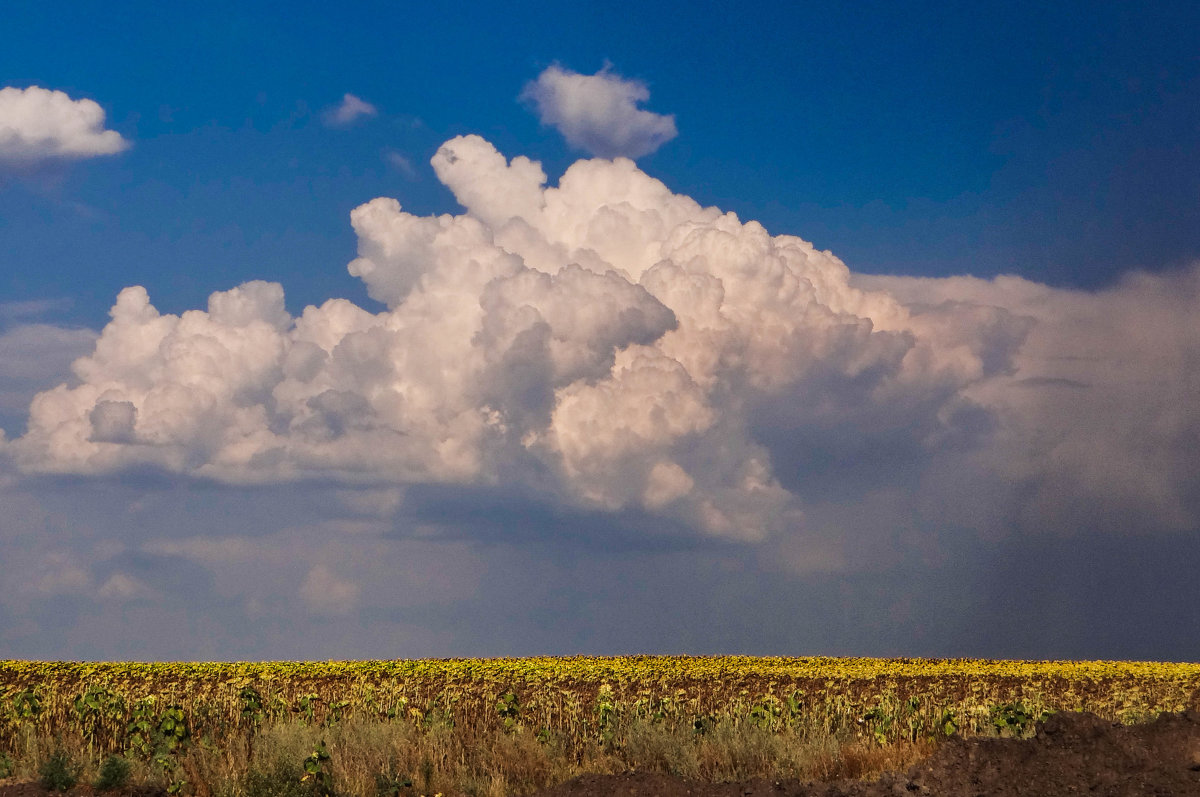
pixel 39 125
pixel 599 113
pixel 612 345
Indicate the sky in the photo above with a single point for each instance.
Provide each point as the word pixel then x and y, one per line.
pixel 782 329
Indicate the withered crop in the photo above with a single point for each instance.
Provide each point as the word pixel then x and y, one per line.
pixel 156 709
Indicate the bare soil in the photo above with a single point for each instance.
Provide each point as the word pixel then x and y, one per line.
pixel 1070 754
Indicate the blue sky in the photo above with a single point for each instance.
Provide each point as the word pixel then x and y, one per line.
pixel 887 445
pixel 1047 141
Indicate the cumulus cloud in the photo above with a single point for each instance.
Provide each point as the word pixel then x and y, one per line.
pixel 39 125
pixel 599 113
pixel 349 111
pixel 608 345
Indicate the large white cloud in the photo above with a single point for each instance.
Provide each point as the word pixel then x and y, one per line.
pixel 610 345
pixel 599 113
pixel 39 125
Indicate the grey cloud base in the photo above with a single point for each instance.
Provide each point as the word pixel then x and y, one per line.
pixel 129 570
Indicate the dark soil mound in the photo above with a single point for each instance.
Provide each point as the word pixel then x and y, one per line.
pixel 1071 754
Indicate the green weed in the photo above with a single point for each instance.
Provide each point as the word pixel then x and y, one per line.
pixel 58 772
pixel 114 774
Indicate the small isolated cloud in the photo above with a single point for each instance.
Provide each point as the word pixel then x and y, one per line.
pixel 38 126
pixel 400 163
pixel 59 574
pixel 349 111
pixel 122 587
pixel 324 593
pixel 599 113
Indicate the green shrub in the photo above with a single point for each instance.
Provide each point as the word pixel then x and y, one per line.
pixel 114 774
pixel 58 772
pixel 282 780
